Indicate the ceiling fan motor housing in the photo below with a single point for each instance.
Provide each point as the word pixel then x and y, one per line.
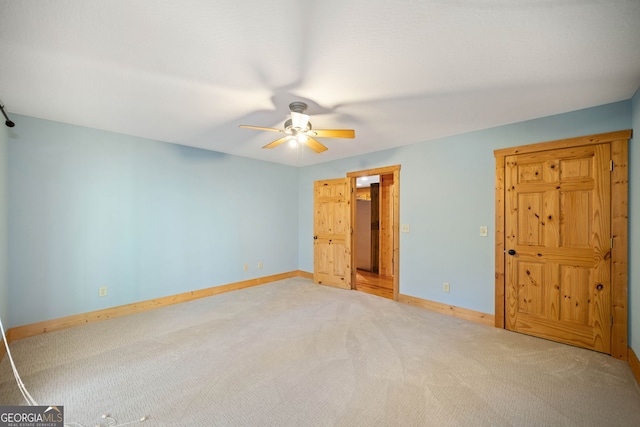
pixel 298 107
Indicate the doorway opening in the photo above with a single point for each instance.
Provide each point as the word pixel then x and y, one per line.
pixel 367 240
pixel 375 238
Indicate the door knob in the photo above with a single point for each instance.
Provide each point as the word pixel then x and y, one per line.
pixel 512 252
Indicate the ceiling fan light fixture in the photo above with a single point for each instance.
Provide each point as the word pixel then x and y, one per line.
pixel 301 137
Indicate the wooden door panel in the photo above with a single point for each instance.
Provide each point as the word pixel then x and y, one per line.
pixel 575 299
pixel 332 232
pixel 330 264
pixel 565 332
pixel 577 168
pixel 557 219
pixel 532 286
pixel 530 229
pixel 575 223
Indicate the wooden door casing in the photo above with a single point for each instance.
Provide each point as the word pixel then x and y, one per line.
pixel 386 226
pixel 617 249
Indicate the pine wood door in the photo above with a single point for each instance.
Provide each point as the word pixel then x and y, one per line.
pixel 558 244
pixel 332 233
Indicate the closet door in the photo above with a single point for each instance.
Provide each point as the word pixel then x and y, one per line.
pixel 558 245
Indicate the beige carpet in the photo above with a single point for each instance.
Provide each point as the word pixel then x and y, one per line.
pixel 292 353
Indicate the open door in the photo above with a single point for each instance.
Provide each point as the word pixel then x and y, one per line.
pixel 332 232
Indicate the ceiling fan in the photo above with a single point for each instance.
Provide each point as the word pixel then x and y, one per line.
pixel 298 130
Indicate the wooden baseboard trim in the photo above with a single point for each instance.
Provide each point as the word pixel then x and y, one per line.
pixel 450 310
pixel 305 274
pixel 33 329
pixel 634 364
pixel 25 331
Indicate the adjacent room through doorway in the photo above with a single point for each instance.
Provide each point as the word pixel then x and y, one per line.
pixel 374 275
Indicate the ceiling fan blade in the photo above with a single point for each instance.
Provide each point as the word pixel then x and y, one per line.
pixel 261 128
pixel 276 142
pixel 333 133
pixel 315 145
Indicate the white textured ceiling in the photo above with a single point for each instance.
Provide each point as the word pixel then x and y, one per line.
pixel 396 71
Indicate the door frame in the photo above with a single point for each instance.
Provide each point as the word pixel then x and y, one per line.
pixel 388 170
pixel 619 142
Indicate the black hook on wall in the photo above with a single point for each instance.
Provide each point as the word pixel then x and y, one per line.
pixel 9 123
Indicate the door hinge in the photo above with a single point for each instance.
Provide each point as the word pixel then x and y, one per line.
pixel 611 165
pixel 611 245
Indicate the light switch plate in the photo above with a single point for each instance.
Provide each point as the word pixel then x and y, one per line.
pixel 484 231
pixel 404 228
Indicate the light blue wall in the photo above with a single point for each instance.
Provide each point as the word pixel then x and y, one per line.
pixel 634 228
pixel 147 219
pixel 4 240
pixel 446 194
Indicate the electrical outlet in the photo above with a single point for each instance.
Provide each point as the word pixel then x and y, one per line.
pixel 246 267
pixel 102 291
pixel 445 287
pixel 260 265
pixel 404 228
